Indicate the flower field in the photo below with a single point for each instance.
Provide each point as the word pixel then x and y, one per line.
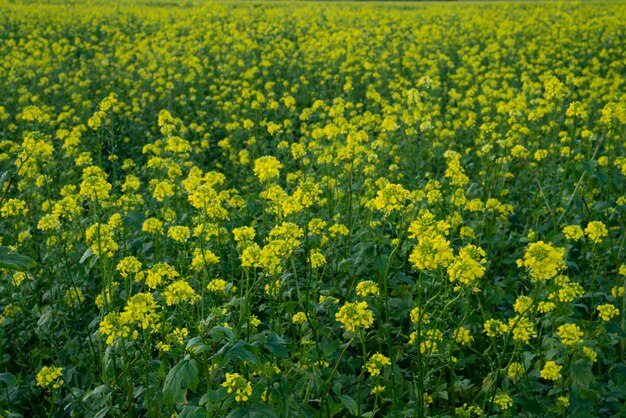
pixel 282 209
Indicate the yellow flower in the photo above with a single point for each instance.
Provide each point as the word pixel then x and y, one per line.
pixel 431 252
pixel 391 198
pixel 49 222
pixel 158 273
pixel 595 231
pixel 468 266
pixel 377 390
pixel 417 315
pixel 503 401
pixel 152 226
pixel 367 288
pixel 376 362
pixel 267 168
pixel 179 233
pixel 95 187
pixel 178 292
pixel 74 296
pixel 128 265
pixel 570 334
pixel 551 371
pixel 163 190
pixel 463 336
pixel 573 232
pixel 355 315
pixel 299 318
pixel 607 311
pixel 522 328
pixel 239 385
pixel 515 370
pixel 50 377
pixel 14 207
pixel 316 258
pixel 493 328
pixel 217 286
pixel 101 239
pixel 591 354
pixel 542 260
pixel 427 224
pixel 522 303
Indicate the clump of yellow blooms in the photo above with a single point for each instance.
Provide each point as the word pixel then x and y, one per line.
pixel 562 401
pixel 542 260
pixel 128 266
pixel 468 266
pixel 595 231
pixel 140 310
pixel 521 328
pixel 237 384
pixel 551 371
pixel 178 292
pixel 573 232
pixel 50 377
pixel 391 198
pixel 366 288
pixel 49 222
pixel 101 238
pixel 14 207
pixel 591 354
pixel 431 252
pixel 417 315
pixel 298 318
pixel 607 311
pixel 267 168
pixel 355 316
pixel 570 334
pixel 376 362
pixel 503 401
pixel 152 226
pixel 463 336
pixel 179 233
pixel 515 370
pixel 217 286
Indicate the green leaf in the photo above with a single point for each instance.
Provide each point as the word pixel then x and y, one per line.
pixel 276 344
pixel 8 379
pixel 3 178
pixel 240 350
pixel 210 396
pixel 253 410
pixel 12 261
pixel 100 390
pixel 88 253
pixel 349 403
pixel 218 333
pixel 182 376
pixel 192 412
pixel 581 374
pixel 102 413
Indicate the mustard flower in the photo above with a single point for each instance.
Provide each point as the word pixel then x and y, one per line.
pixel 355 315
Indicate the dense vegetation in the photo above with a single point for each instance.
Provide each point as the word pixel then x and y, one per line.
pixel 286 209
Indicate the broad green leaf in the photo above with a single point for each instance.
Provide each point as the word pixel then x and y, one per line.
pixel 241 351
pixel 276 344
pixel 182 376
pixel 349 403
pixel 192 412
pixel 8 379
pixel 12 261
pixel 253 410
